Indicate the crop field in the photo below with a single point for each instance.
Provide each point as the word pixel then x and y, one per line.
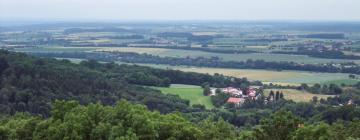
pixel 289 77
pixel 94 34
pixel 297 95
pixel 189 92
pixel 192 53
pixel 267 76
pixel 155 51
pixel 55 49
pixel 229 57
pixel 73 60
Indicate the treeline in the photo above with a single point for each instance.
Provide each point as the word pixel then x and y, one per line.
pixel 204 39
pixel 126 37
pixel 69 120
pixel 206 62
pixel 331 89
pixel 203 49
pixel 325 36
pixel 329 54
pixel 105 29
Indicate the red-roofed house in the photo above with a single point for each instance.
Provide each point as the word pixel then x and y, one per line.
pixel 236 101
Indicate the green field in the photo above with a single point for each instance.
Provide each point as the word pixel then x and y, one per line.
pixel 56 49
pixel 192 93
pixel 228 57
pixel 297 95
pixel 73 60
pixel 192 53
pixel 269 76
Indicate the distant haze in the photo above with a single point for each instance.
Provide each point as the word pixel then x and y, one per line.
pixel 117 10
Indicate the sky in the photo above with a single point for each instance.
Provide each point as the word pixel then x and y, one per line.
pixel 118 10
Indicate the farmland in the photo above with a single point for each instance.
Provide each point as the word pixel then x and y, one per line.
pixel 192 93
pixel 220 43
pixel 297 95
pixel 228 57
pixel 193 53
pixel 266 76
pixel 269 76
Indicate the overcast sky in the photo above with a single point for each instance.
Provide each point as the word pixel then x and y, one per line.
pixel 181 9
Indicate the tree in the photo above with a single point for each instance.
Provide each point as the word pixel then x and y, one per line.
pixel 357 85
pixel 314 132
pixel 277 95
pixel 279 126
pixel 3 64
pixel 334 89
pixel 303 86
pixel 219 99
pixel 314 100
pixel 316 88
pixel 217 130
pixel 271 94
pixel 352 76
pixel 281 95
pixel 207 90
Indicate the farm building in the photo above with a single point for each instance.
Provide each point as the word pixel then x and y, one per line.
pixel 213 91
pixel 236 101
pixel 232 91
pixel 251 92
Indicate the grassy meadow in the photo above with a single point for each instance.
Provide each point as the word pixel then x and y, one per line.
pixel 192 53
pixel 269 76
pixel 189 92
pixel 266 76
pixel 227 57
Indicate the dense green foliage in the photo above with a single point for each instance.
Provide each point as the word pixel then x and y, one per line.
pixel 124 121
pixel 31 84
pixel 283 125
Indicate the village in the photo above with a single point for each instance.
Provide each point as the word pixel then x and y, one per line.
pixel 237 95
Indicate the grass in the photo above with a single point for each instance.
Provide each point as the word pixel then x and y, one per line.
pixel 297 95
pixel 192 53
pixel 280 77
pixel 55 49
pixel 189 92
pixel 346 82
pixel 156 51
pixel 73 60
pixel 292 78
pixel 267 76
pixel 230 57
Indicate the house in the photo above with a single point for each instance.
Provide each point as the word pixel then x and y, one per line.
pixel 232 91
pixel 350 102
pixel 236 101
pixel 251 92
pixel 212 91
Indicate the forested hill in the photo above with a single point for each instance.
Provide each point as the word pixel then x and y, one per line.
pixel 31 84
